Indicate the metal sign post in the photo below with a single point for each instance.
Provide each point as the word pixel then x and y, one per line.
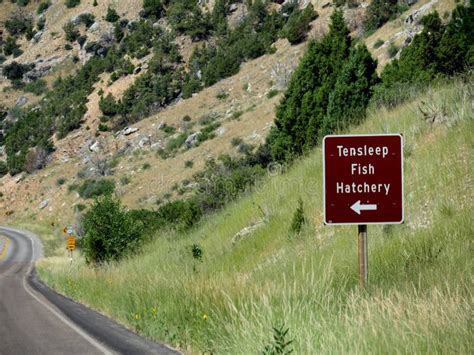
pixel 363 184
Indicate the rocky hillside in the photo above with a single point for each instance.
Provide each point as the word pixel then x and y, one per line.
pixel 149 153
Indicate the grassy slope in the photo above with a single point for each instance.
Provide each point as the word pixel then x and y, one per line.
pixel 421 273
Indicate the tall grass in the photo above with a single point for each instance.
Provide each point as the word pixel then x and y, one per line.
pixel 419 298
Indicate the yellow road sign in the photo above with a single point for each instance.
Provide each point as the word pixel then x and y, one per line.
pixel 71 243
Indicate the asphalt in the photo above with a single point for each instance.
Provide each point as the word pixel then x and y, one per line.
pixel 34 319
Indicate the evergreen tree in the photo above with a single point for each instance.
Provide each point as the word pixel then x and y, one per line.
pixel 352 92
pixel 303 108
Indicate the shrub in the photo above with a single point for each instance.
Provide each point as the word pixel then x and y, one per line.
pixel 60 181
pixel 108 105
pixel 72 3
pixel 272 93
pixel 188 164
pixel 111 233
pixel 71 32
pixel 236 141
pixel 93 188
pixel 146 166
pixel 378 43
pixel 87 19
pixel 43 6
pixel 180 214
pixel 298 218
pixel 3 168
pixel 95 3
pixel 392 50
pixel 15 71
pixel 379 12
pixel 10 47
pixel 111 15
pixel 37 87
pixel 153 8
pixel 298 24
pixel 18 23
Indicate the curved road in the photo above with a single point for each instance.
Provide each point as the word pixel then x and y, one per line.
pixel 36 320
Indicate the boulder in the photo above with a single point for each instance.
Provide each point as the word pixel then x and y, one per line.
pixel 37 36
pixel 43 204
pixel 192 139
pixel 95 147
pixel 21 101
pixel 94 27
pixel 129 130
pixel 144 141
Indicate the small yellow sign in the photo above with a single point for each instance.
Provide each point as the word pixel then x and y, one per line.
pixel 71 243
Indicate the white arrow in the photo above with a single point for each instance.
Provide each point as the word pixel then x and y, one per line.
pixel 357 207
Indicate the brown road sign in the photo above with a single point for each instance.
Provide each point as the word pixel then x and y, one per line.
pixel 363 179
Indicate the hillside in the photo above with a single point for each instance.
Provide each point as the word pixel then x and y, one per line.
pixel 243 105
pixel 420 295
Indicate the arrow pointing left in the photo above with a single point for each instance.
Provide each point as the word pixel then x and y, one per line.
pixel 357 207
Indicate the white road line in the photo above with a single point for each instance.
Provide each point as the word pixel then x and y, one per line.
pixel 66 321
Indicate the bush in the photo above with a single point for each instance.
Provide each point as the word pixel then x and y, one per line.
pixel 392 50
pixel 94 188
pixel 298 24
pixel 379 12
pixel 72 3
pixel 378 43
pixel 43 6
pixel 10 47
pixel 111 233
pixel 37 87
pixel 15 71
pixel 71 32
pixel 112 15
pixel 298 218
pixel 188 164
pixel 152 8
pixel 60 181
pixel 180 214
pixel 108 105
pixel 18 23
pixel 3 168
pixel 87 19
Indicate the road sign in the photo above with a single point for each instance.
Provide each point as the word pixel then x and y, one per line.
pixel 71 243
pixel 363 179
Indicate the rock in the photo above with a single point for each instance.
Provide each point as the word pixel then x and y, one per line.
pixel 37 36
pixel 162 125
pixel 95 147
pixel 220 131
pixel 244 232
pixel 94 27
pixel 43 204
pixel 233 7
pixel 137 70
pixel 157 146
pixel 156 25
pixel 76 20
pixel 145 141
pixel 129 130
pixel 192 139
pixel 21 101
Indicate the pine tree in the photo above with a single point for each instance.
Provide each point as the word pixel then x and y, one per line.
pixel 352 92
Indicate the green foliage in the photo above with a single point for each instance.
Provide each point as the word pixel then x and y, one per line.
pixel 298 24
pixel 352 92
pixel 110 232
pixel 188 164
pixel 196 251
pixel 439 50
pixel 43 6
pixel 108 105
pixel 3 168
pixel 37 87
pixel 153 9
pixel 22 2
pixel 15 71
pixel 10 47
pixel 392 50
pixel 301 113
pixel 280 344
pixel 72 3
pixel 299 218
pixel 180 214
pixel 60 181
pixel 186 17
pixel 95 3
pixel 272 93
pixel 71 32
pixel 91 188
pixel 18 23
pixel 87 19
pixel 378 43
pixel 112 15
pixel 379 12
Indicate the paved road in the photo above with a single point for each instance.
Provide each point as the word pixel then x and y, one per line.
pixel 44 322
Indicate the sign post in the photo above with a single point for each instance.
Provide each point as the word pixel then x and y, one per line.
pixel 363 184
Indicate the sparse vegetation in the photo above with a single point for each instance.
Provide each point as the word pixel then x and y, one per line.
pixel 91 188
pixel 72 3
